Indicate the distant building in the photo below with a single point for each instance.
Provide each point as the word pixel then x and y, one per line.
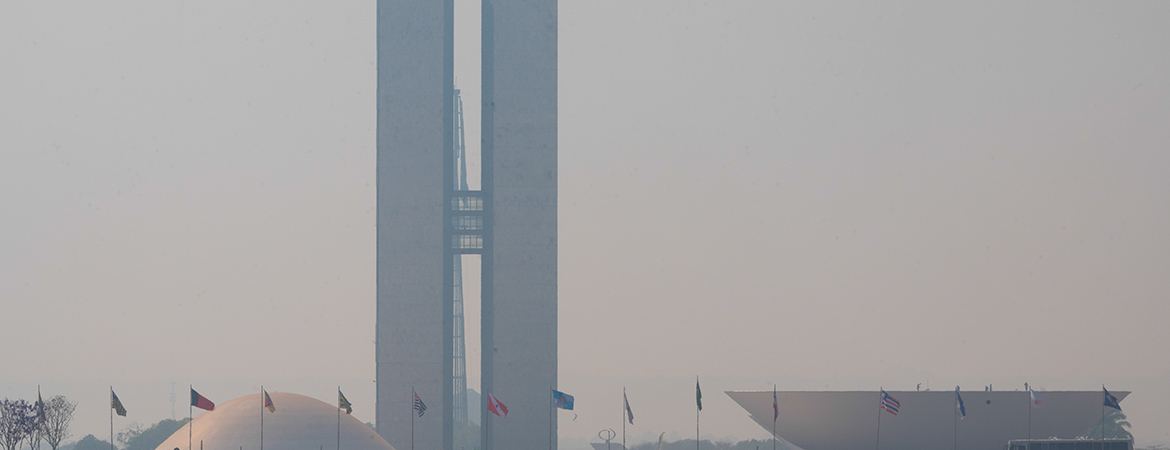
pixel 425 220
pixel 926 420
pixel 299 423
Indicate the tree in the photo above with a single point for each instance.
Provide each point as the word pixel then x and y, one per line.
pixel 36 429
pixel 91 443
pixel 58 415
pixel 132 431
pixel 150 438
pixel 1115 425
pixel 18 420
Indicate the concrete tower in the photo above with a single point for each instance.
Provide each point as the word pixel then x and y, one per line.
pixel 425 220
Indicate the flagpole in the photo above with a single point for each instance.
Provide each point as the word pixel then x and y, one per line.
pixel 1031 404
pixel 624 400
pixel 111 417
pixel 339 419
pixel 1102 412
pixel 697 409
pixel 190 418
pixel 877 441
pixel 261 417
pixel 550 416
pixel 775 415
pixel 412 395
pixel 956 446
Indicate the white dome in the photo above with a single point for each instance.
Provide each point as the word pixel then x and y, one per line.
pixel 299 423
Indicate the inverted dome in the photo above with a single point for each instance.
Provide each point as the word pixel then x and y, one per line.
pixel 299 423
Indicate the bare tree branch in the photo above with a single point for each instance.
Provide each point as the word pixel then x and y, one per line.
pixel 58 415
pixel 132 431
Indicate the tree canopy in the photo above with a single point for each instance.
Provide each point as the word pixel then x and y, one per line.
pixel 150 438
pixel 89 442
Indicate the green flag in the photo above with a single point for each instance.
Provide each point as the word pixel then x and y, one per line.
pixel 698 395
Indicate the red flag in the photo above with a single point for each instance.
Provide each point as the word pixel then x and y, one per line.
pixel 200 401
pixel 496 407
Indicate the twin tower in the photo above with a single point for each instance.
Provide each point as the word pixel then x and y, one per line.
pixel 426 221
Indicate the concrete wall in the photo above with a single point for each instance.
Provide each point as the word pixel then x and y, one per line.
pixel 414 135
pixel 519 147
pixel 520 151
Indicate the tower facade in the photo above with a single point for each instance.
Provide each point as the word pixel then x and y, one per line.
pixel 426 220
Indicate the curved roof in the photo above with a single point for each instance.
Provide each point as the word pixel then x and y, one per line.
pixel 299 423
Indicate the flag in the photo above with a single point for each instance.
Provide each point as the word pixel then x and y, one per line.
pixel 200 401
pixel 775 405
pixel 268 402
pixel 495 407
pixel 959 403
pixel 1110 400
pixel 343 403
pixel 117 404
pixel 421 407
pixel 41 405
pixel 562 400
pixel 629 412
pixel 1037 400
pixel 698 395
pixel 660 440
pixel 889 403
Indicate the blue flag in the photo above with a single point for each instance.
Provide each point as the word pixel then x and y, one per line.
pixel 959 403
pixel 562 400
pixel 1110 400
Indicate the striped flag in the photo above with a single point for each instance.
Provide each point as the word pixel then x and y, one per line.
pixel 419 405
pixel 889 403
pixel 959 403
pixel 343 403
pixel 117 404
pixel 268 402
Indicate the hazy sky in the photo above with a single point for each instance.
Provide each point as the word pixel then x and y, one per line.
pixel 814 195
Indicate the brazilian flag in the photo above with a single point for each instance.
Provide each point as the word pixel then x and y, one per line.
pixel 117 404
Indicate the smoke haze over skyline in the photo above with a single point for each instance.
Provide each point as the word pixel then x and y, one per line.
pixel 813 195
